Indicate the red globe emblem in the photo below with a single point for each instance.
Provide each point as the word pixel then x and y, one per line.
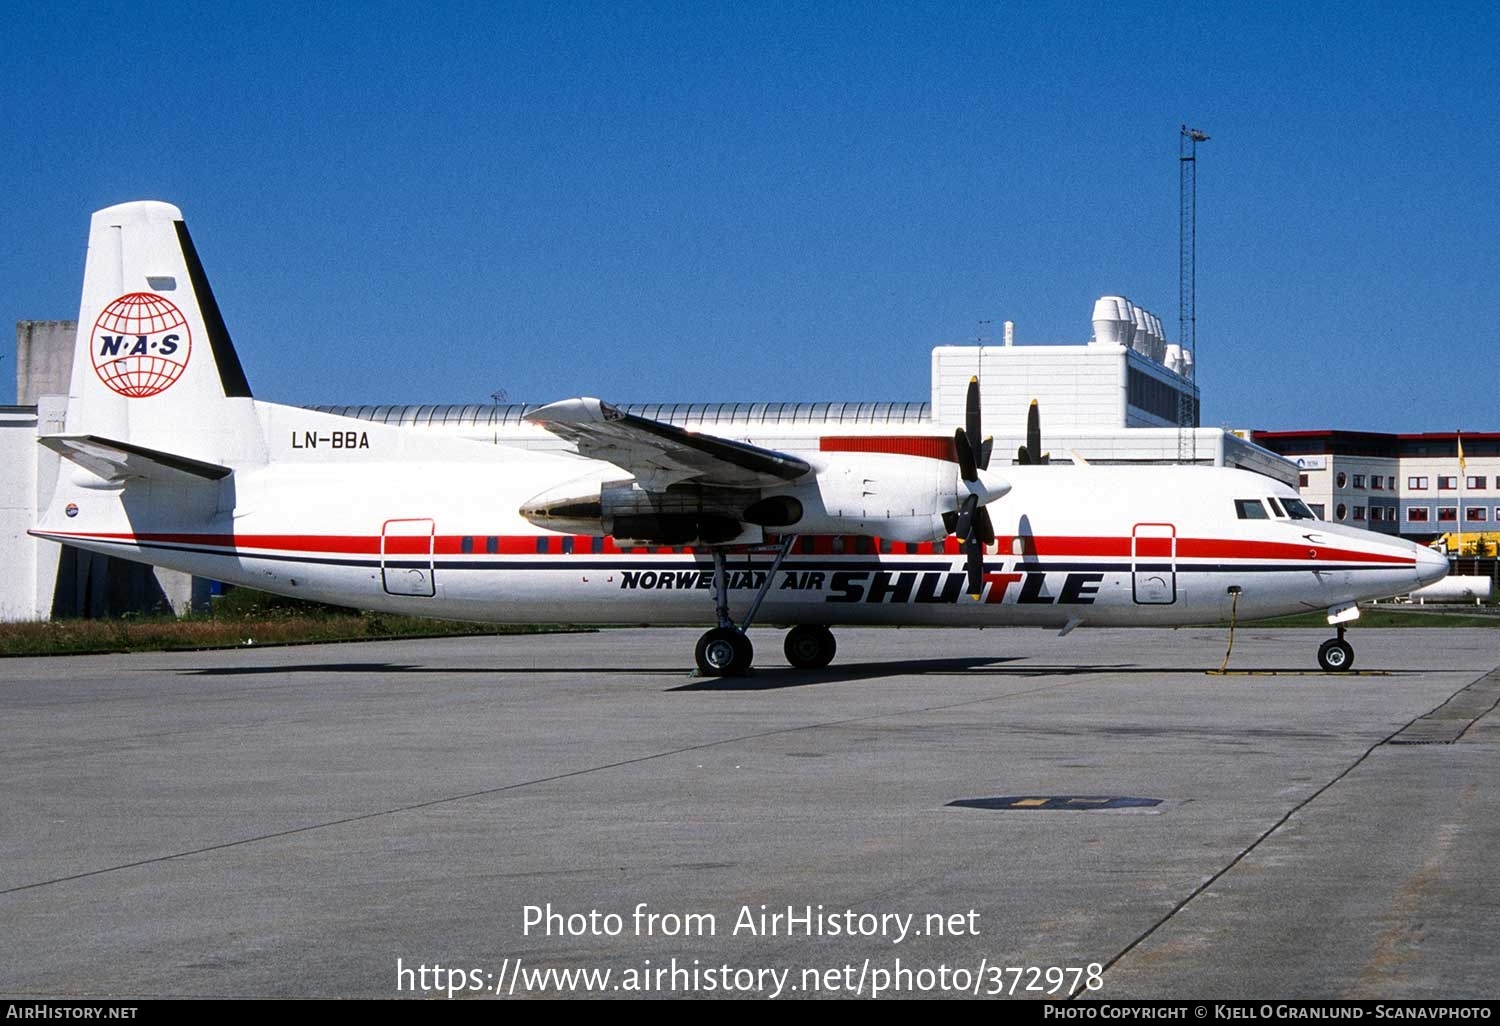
pixel 141 344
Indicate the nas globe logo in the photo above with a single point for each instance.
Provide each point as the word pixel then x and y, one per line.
pixel 141 345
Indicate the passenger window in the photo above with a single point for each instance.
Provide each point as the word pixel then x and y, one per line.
pixel 1250 509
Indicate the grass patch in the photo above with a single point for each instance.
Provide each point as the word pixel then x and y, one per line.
pixel 251 618
pixel 1388 616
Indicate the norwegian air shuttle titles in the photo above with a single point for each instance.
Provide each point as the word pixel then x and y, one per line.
pixel 172 461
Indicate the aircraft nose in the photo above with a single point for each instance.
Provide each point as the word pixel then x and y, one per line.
pixel 1431 565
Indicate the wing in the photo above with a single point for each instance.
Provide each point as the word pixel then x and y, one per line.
pixel 660 454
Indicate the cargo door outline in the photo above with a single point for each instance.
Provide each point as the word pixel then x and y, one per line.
pixel 1153 564
pixel 406 547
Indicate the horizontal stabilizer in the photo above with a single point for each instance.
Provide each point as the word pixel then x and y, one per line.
pixel 116 461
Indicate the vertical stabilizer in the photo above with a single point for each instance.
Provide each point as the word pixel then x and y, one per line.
pixel 153 364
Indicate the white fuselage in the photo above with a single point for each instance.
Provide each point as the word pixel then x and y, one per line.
pixel 379 517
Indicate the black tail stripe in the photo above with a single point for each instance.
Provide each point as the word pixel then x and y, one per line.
pixel 231 374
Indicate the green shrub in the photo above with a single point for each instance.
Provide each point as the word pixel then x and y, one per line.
pixel 247 603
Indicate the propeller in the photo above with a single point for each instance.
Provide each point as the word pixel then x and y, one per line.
pixel 1031 453
pixel 973 524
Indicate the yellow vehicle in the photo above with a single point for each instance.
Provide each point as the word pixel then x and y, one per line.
pixel 1468 543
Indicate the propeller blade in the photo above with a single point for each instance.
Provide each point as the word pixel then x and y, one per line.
pixel 975 566
pixel 966 469
pixel 971 419
pixel 984 453
pixel 971 408
pixel 965 526
pixel 984 529
pixel 1034 435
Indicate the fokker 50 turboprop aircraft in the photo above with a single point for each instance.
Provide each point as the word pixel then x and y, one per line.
pixel 172 462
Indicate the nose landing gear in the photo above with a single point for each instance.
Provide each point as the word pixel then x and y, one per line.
pixel 1336 655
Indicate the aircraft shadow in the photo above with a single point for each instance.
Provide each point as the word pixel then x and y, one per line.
pixel 235 671
pixel 271 671
pixel 776 678
pixel 761 679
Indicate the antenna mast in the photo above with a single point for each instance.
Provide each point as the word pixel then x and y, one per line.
pixel 1187 274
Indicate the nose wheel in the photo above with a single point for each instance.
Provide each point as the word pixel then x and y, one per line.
pixel 1336 655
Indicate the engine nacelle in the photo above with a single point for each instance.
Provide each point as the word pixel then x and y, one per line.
pixel 887 495
pixel 903 498
pixel 681 515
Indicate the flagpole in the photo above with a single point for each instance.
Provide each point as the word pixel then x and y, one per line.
pixel 1463 468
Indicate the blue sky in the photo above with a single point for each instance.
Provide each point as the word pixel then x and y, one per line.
pixel 761 201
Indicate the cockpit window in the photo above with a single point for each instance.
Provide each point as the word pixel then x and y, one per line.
pixel 1275 507
pixel 1250 509
pixel 1297 509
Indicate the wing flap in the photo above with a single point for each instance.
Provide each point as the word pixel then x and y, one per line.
pixel 661 454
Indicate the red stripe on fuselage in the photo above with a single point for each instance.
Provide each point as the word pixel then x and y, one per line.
pixel 939 448
pixel 352 544
pixel 1055 547
pixel 1192 548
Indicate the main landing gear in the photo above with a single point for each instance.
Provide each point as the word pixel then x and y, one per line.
pixel 1336 655
pixel 810 646
pixel 725 651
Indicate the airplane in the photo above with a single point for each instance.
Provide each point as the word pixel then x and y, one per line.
pixel 171 461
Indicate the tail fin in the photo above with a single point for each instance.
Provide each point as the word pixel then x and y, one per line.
pixel 153 363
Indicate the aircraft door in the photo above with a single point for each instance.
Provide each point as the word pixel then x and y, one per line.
pixel 406 557
pixel 1153 564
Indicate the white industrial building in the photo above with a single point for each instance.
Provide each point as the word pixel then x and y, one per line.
pixel 30 566
pixel 1123 397
pixel 1115 399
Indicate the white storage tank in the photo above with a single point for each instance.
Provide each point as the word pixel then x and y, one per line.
pixel 1455 589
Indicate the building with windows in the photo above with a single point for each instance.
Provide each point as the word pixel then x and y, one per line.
pixel 1414 485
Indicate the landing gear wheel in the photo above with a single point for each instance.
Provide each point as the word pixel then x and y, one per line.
pixel 724 652
pixel 1336 655
pixel 810 646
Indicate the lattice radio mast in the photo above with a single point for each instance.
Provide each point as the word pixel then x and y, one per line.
pixel 1187 273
